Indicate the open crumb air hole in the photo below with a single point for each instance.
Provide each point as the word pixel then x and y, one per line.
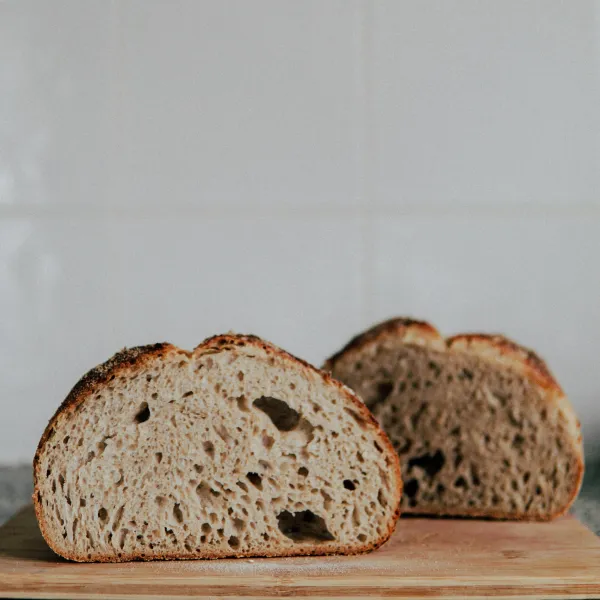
pixel 384 389
pixel 143 413
pixel 304 526
pixel 461 482
pixel 284 417
pixel 209 448
pixel 432 464
pixel 177 513
pixel 255 479
pixel 411 488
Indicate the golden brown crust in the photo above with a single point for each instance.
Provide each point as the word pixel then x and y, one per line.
pixel 507 351
pixel 493 347
pixel 125 359
pixel 297 551
pixel 488 345
pixel 418 331
pixel 132 358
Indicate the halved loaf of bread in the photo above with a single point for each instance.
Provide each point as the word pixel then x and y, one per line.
pixel 481 426
pixel 234 449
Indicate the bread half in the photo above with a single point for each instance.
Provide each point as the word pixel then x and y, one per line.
pixel 234 449
pixel 481 426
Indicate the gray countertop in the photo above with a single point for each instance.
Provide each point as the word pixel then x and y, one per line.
pixel 16 489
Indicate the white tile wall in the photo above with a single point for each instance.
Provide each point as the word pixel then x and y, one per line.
pixel 55 82
pixel 221 102
pixel 486 102
pixel 169 170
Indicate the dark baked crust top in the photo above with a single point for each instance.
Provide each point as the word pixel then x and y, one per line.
pixel 412 330
pixel 398 326
pixel 509 349
pixel 127 358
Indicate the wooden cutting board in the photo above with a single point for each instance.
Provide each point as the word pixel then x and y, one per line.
pixel 425 558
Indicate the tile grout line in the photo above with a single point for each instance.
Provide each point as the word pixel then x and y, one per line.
pixel 58 211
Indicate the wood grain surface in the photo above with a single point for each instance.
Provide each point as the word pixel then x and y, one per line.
pixel 425 558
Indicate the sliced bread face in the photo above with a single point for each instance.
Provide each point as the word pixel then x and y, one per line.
pixel 234 449
pixel 480 425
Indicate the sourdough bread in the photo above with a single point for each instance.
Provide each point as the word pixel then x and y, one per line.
pixel 481 426
pixel 234 449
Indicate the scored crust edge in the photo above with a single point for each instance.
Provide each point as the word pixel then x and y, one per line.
pixel 134 358
pixel 490 347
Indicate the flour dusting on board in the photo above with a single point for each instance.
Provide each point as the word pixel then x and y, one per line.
pixel 278 567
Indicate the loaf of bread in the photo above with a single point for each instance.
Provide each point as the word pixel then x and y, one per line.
pixel 481 426
pixel 234 449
